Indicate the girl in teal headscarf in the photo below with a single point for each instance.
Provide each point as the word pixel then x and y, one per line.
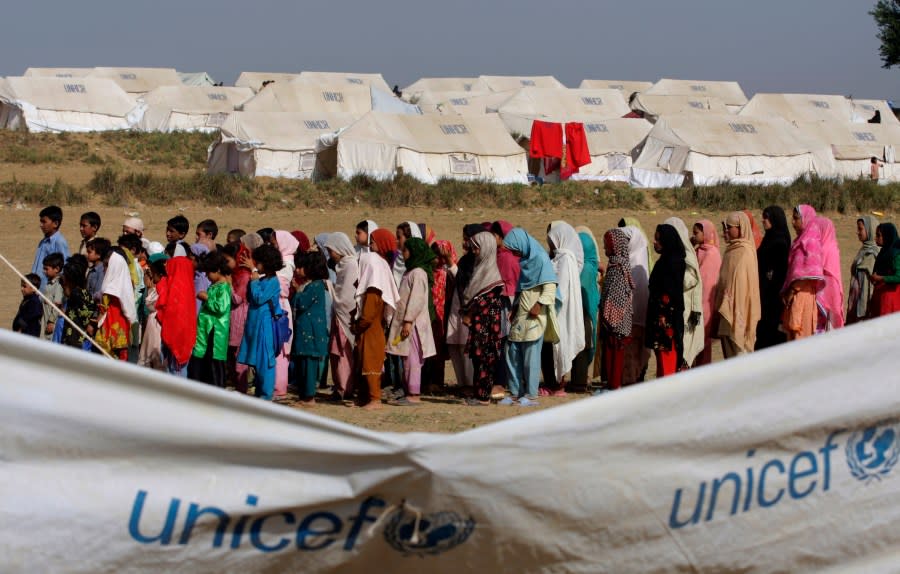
pixel 590 298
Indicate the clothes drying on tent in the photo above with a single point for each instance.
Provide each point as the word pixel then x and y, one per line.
pixel 563 147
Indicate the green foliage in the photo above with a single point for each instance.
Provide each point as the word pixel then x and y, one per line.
pixel 177 149
pixel 852 195
pixel 887 18
pixel 56 193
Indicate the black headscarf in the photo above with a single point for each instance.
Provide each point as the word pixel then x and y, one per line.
pixel 667 279
pixel 772 262
pixel 884 263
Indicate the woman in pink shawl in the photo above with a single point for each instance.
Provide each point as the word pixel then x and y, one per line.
pixel 706 244
pixel 830 297
pixel 805 275
pixel 287 245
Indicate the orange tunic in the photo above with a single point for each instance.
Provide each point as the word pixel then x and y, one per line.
pixel 370 340
pixel 800 311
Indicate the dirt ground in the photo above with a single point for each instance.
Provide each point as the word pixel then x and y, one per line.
pixel 20 235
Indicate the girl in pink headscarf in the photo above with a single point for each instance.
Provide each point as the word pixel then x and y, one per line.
pixel 805 275
pixel 287 245
pixel 706 244
pixel 831 296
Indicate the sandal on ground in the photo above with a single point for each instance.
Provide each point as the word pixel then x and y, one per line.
pixel 476 403
pixel 404 402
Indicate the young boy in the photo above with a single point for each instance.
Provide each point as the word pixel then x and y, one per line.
pixel 53 241
pixel 53 289
pixel 207 230
pixel 88 226
pixel 28 319
pixel 213 324
pixel 176 230
pixel 235 235
pixel 97 251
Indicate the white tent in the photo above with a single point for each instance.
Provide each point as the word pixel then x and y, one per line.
pixel 853 146
pixel 520 110
pixel 801 107
pixel 777 461
pixel 627 87
pixel 341 79
pixel 310 98
pixel 507 83
pixel 272 144
pixel 453 103
pixel 189 108
pixel 428 148
pixel 611 143
pixel 139 80
pixel 196 79
pixel 57 72
pixel 653 106
pixel 44 104
pixel 729 92
pixel 255 80
pixel 718 148
pixel 863 110
pixel 440 85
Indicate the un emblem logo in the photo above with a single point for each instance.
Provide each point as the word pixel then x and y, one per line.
pixel 415 534
pixel 873 452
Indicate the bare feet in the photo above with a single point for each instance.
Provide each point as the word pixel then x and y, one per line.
pixel 372 406
pixel 306 403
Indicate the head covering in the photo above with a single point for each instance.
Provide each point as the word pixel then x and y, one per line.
pixel 755 233
pixel 618 285
pixel 446 259
pixel 805 260
pixel 565 240
pixel 472 229
pixel 375 273
pixel 710 259
pixel 486 275
pixel 590 290
pixel 447 252
pixel 176 308
pixel 155 247
pixel 371 227
pixel 346 275
pixel 251 240
pixel 414 229
pixel 868 248
pixel 633 222
pixel 501 227
pixel 640 271
pixel 422 257
pixel 428 233
pixel 385 242
pixel 738 303
pixel 884 262
pixel 534 262
pixel 302 240
pixel 153 258
pixel 694 337
pixel 831 297
pixel 772 263
pixel 134 223
pixel 117 283
pixel 287 246
pixel 199 249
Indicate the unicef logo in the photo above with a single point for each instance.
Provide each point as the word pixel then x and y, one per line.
pixel 873 452
pixel 413 533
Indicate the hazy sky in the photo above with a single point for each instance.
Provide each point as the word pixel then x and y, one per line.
pixel 808 46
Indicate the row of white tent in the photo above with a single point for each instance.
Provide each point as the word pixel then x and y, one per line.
pixel 317 125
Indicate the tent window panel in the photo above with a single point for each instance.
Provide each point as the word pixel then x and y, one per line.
pixel 216 120
pixel 749 166
pixel 665 157
pixel 616 161
pixel 464 164
pixel 307 161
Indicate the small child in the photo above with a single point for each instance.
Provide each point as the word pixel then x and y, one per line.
pixel 53 289
pixel 176 230
pixel 53 241
pixel 28 319
pixel 235 235
pixel 133 248
pixel 310 346
pixel 207 363
pixel 80 307
pixel 97 251
pixel 257 348
pixel 88 226
pixel 875 168
pixel 151 342
pixel 207 230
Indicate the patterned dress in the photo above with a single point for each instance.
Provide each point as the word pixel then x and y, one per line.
pixel 80 308
pixel 485 339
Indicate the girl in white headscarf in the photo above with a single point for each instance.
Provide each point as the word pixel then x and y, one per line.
pixel 118 310
pixel 364 231
pixel 694 332
pixel 405 230
pixel 342 342
pixel 568 259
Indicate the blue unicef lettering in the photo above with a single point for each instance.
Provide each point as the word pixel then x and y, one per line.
pixel 873 452
pixel 761 484
pixel 430 534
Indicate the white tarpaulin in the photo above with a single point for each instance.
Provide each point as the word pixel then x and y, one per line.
pixel 784 460
pixel 189 108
